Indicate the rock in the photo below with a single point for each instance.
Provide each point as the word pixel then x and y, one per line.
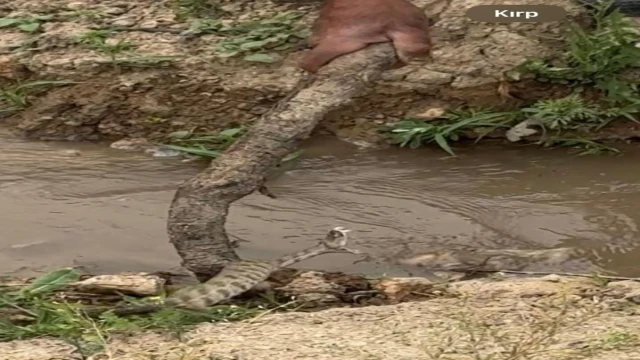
pixel 551 278
pixel 429 77
pixel 9 68
pixel 135 144
pixel 520 131
pixel 70 152
pixel 124 22
pixel 75 5
pixel 114 11
pixel 312 288
pixel 40 349
pixel 521 287
pixel 630 289
pixel 163 153
pixel 431 113
pixel 397 289
pixel 142 284
pixel 310 281
pixel 317 299
pixel 488 259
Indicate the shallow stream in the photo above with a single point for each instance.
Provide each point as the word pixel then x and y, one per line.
pixel 105 210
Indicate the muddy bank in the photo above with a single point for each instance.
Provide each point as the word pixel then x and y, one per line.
pixel 526 318
pixel 145 79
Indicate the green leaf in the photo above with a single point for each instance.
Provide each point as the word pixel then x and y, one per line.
pixel 442 142
pixel 180 134
pixel 282 47
pixel 6 22
pixel 252 45
pixel 231 132
pixel 292 155
pixel 29 27
pixel 263 58
pixel 43 17
pixel 195 151
pixel 52 281
pixel 228 54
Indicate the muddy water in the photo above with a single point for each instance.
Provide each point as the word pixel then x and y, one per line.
pixel 105 210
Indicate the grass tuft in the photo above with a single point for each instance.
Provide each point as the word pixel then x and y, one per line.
pixel 40 309
pixel 18 96
pixel 597 59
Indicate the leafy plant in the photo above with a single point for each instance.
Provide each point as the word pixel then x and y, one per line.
pixel 203 26
pixel 206 145
pixel 17 97
pixel 572 113
pixel 98 40
pixel 195 9
pixel 88 14
pixel 30 24
pixel 596 56
pixel 448 128
pixel 567 114
pixel 48 315
pixel 254 38
pixel 582 146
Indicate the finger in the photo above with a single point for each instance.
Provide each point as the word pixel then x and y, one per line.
pixel 324 53
pixel 411 45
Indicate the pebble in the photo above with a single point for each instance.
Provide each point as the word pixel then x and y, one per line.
pixel 70 152
pixel 136 144
pixel 163 153
pixel 124 22
pixel 551 278
pixel 114 11
pixel 76 5
pixel 149 24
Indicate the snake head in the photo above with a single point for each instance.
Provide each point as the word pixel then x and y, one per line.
pixel 337 238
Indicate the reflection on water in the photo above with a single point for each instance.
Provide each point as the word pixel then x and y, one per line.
pixel 106 209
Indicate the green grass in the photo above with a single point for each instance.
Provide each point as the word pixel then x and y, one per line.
pixel 29 24
pixel 205 145
pixel 213 145
pixel 44 312
pixel 18 96
pixel 185 9
pixel 84 14
pixel 451 126
pixel 258 40
pixel 595 59
pixel 98 40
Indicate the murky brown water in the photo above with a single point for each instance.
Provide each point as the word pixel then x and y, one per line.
pixel 106 209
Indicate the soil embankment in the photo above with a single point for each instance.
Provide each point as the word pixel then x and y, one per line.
pixel 541 319
pixel 127 69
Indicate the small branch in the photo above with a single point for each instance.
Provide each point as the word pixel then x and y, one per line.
pixel 199 209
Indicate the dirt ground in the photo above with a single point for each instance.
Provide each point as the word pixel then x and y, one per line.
pixel 194 88
pixel 518 318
